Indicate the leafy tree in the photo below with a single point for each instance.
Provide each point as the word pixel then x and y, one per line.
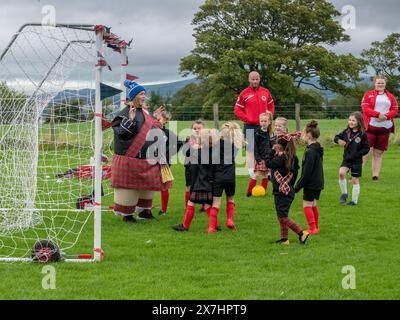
pixel 187 103
pixel 384 58
pixel 156 99
pixel 10 102
pixel 74 111
pixel 284 40
pixel 343 105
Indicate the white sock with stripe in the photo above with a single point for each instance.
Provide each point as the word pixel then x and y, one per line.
pixel 343 186
pixel 356 193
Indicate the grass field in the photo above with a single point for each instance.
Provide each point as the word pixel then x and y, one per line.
pixel 244 264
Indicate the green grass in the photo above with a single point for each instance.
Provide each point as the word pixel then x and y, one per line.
pixel 245 264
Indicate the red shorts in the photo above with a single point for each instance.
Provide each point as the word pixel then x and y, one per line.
pixel 378 138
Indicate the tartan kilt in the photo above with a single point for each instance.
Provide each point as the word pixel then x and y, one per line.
pixel 260 166
pixel 133 173
pixel 201 197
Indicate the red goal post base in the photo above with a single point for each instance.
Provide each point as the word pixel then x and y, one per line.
pixel 97 256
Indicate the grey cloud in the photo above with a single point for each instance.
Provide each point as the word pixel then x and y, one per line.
pixel 382 14
pixel 162 31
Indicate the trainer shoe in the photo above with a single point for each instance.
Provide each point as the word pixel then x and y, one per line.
pixel 343 198
pixel 375 178
pixel 283 242
pixel 351 203
pixel 146 215
pixel 303 236
pixel 130 219
pixel 179 227
pixel 248 195
pixel 162 213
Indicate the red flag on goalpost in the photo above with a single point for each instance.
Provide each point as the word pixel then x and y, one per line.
pixel 131 77
pixel 102 62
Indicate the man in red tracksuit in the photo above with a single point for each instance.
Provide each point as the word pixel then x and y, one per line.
pixel 253 101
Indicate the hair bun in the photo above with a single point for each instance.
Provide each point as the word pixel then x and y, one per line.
pixel 312 124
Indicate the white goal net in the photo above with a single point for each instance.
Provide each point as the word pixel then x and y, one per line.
pixel 47 139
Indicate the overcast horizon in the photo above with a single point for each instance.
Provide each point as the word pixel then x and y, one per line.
pixel 162 30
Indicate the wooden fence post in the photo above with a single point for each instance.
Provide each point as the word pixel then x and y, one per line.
pixel 216 115
pixel 52 126
pixel 297 107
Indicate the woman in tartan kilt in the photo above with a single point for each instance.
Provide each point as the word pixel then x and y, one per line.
pixel 201 173
pixel 137 162
pixel 284 166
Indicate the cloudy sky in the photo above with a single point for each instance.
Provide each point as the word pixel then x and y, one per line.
pixel 162 30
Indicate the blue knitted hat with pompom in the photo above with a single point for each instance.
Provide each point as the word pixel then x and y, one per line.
pixel 133 89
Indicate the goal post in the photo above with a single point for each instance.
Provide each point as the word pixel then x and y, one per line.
pixel 52 178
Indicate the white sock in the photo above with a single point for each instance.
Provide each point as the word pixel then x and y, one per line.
pixel 139 209
pixel 356 193
pixel 251 173
pixel 343 186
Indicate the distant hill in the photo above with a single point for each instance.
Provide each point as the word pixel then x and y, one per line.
pixel 87 96
pixel 169 89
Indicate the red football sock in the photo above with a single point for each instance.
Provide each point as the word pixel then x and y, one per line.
pixel 316 216
pixel 264 183
pixel 309 213
pixel 188 216
pixel 208 211
pixel 213 220
pixel 187 195
pixel 164 200
pixel 252 184
pixel 230 213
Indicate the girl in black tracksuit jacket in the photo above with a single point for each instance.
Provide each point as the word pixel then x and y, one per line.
pixel 356 145
pixel 201 174
pixel 283 162
pixel 190 147
pixel 224 174
pixel 312 176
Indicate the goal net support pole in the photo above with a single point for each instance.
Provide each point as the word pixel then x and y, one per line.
pixel 98 152
pixel 124 64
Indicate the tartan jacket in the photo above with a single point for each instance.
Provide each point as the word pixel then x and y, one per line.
pixel 277 163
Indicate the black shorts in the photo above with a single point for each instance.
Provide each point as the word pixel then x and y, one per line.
pixel 188 176
pixel 249 130
pixel 220 186
pixel 282 205
pixel 311 195
pixel 355 168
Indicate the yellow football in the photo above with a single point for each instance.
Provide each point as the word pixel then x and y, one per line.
pixel 258 191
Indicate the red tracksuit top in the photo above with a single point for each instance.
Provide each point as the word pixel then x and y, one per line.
pixel 368 107
pixel 251 103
